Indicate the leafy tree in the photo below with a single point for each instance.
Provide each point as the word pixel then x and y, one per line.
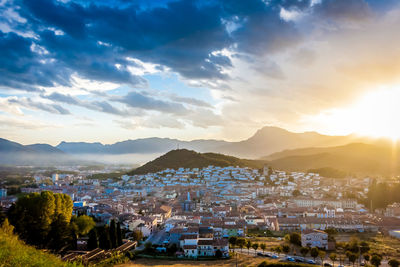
pixel 255 247
pixel 218 254
pixel 60 236
pixel 295 239
pixel 84 224
pixel 296 193
pixel 353 245
pixel 263 247
pixel 314 252
pixel 376 260
pixel 393 263
pixel 333 258
pixel 7 228
pixel 137 235
pixel 304 251
pixel 248 246
pixel 278 249
pixel 33 214
pixel 172 249
pixel 241 242
pixel 232 241
pixel 93 240
pixel 331 234
pixel 366 257
pixel 364 247
pixel 119 234
pixel 352 257
pixel 285 249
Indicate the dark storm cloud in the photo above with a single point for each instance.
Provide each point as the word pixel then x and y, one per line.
pixel 93 40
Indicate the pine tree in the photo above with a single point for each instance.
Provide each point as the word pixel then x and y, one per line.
pixel 93 240
pixel 119 234
pixel 113 234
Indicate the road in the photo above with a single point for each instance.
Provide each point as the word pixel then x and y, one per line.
pixel 155 238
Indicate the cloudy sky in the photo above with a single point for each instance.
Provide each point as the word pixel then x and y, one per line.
pixel 107 71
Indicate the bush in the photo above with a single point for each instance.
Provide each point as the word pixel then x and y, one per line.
pixel 268 264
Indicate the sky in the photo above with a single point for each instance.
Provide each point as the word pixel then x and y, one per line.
pixel 106 71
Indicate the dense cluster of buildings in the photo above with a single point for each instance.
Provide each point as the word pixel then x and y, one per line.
pixel 198 209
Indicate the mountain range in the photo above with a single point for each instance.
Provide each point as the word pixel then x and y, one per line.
pixel 264 142
pixel 274 146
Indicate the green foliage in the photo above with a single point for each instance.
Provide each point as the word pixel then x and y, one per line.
pixel 381 194
pixel 304 251
pixel 119 234
pixel 218 254
pixel 13 252
pixel 263 246
pixel 83 224
pixel 34 214
pixel 296 193
pixel 93 241
pixel 376 260
pixel 255 246
pixel 393 263
pixel 285 249
pixel 351 256
pixel 314 252
pixel 113 234
pixel 104 237
pixel 295 239
pixel 190 159
pixel 248 245
pixel 232 241
pixel 137 235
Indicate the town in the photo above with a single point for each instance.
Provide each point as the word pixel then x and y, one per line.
pixel 197 211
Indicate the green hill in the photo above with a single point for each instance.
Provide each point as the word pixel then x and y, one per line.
pixel 355 158
pixel 14 252
pixel 183 158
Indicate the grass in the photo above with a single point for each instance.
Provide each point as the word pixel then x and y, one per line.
pixel 14 252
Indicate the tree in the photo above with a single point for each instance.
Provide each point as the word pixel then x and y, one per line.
pixel 304 251
pixel 314 252
pixel 104 238
pixel 241 243
pixel 394 263
pixel 119 234
pixel 376 260
pixel 331 234
pixel 366 257
pixel 84 224
pixel 295 239
pixel 7 228
pixel 60 235
pixel 364 247
pixel 137 235
pixel 255 247
pixel 263 247
pixel 285 249
pixel 353 245
pixel 333 258
pixel 352 257
pixel 93 240
pixel 278 249
pixel 113 234
pixel 33 214
pixel 218 254
pixel 248 246
pixel 232 241
pixel 296 193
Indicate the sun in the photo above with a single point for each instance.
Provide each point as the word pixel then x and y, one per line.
pixel 375 114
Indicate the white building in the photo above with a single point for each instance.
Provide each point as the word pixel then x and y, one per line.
pixel 314 238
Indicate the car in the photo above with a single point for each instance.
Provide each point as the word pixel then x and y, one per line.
pixel 340 265
pixel 290 259
pixel 275 256
pixel 311 262
pixel 260 254
pixel 267 255
pixel 326 264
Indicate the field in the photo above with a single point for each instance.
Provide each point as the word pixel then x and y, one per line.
pixel 242 261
